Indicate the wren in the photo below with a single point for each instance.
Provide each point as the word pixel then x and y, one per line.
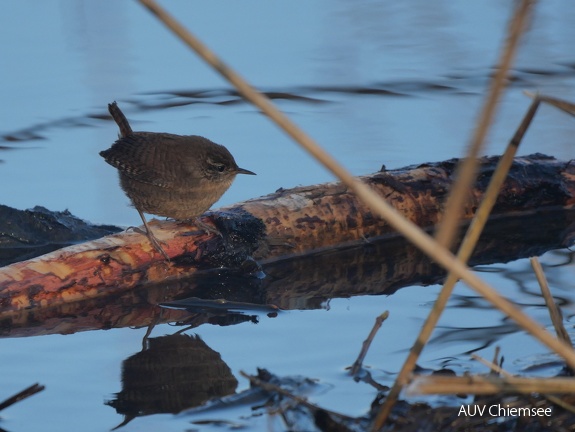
pixel 176 176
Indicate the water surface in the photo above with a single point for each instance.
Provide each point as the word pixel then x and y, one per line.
pixel 374 83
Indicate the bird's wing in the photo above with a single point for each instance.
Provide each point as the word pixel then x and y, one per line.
pixel 137 157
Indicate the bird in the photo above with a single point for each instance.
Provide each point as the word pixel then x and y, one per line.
pixel 175 176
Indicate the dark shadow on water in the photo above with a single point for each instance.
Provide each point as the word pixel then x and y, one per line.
pixel 455 84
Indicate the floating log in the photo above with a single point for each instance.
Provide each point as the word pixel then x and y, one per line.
pixel 286 223
pixel 374 268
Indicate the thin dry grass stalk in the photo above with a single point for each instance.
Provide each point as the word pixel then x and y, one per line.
pixel 561 104
pixel 466 249
pixel 554 311
pixel 497 369
pixel 488 384
pixel 494 367
pixel 467 171
pixel 440 254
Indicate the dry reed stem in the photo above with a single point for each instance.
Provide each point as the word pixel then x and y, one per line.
pixel 493 367
pixel 496 360
pixel 367 343
pixel 496 368
pixel 554 311
pixel 487 384
pixel 414 234
pixel 561 104
pixel 466 249
pixel 26 393
pixel 467 170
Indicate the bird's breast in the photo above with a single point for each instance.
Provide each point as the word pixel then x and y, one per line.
pixel 185 200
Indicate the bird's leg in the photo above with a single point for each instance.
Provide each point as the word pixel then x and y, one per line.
pixel 155 242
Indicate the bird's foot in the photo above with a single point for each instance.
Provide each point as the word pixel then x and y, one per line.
pixel 209 229
pixel 155 242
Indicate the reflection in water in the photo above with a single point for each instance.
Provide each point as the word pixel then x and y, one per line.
pixel 280 396
pixel 305 95
pixel 436 56
pixel 518 283
pixel 173 373
pixel 478 337
pixel 385 266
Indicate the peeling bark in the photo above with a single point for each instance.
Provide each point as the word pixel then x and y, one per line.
pixel 308 218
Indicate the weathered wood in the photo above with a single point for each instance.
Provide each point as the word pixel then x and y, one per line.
pixel 296 221
pixel 303 282
pixel 315 217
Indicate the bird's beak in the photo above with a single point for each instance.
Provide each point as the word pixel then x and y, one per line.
pixel 244 171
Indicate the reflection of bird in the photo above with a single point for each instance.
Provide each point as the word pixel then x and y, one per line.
pixel 176 176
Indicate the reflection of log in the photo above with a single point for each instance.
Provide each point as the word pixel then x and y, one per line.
pixel 297 221
pixel 383 267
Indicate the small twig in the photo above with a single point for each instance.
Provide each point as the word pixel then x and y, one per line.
pixel 495 357
pixel 493 366
pixel 366 343
pixel 26 393
pixel 554 311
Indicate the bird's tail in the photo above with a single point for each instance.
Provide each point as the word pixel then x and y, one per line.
pixel 120 119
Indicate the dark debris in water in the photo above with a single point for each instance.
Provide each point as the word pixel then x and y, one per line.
pixel 284 396
pixel 287 397
pixel 25 234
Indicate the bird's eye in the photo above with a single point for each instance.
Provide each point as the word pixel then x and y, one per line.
pixel 219 167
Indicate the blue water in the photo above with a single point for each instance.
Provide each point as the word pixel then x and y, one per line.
pixel 63 61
